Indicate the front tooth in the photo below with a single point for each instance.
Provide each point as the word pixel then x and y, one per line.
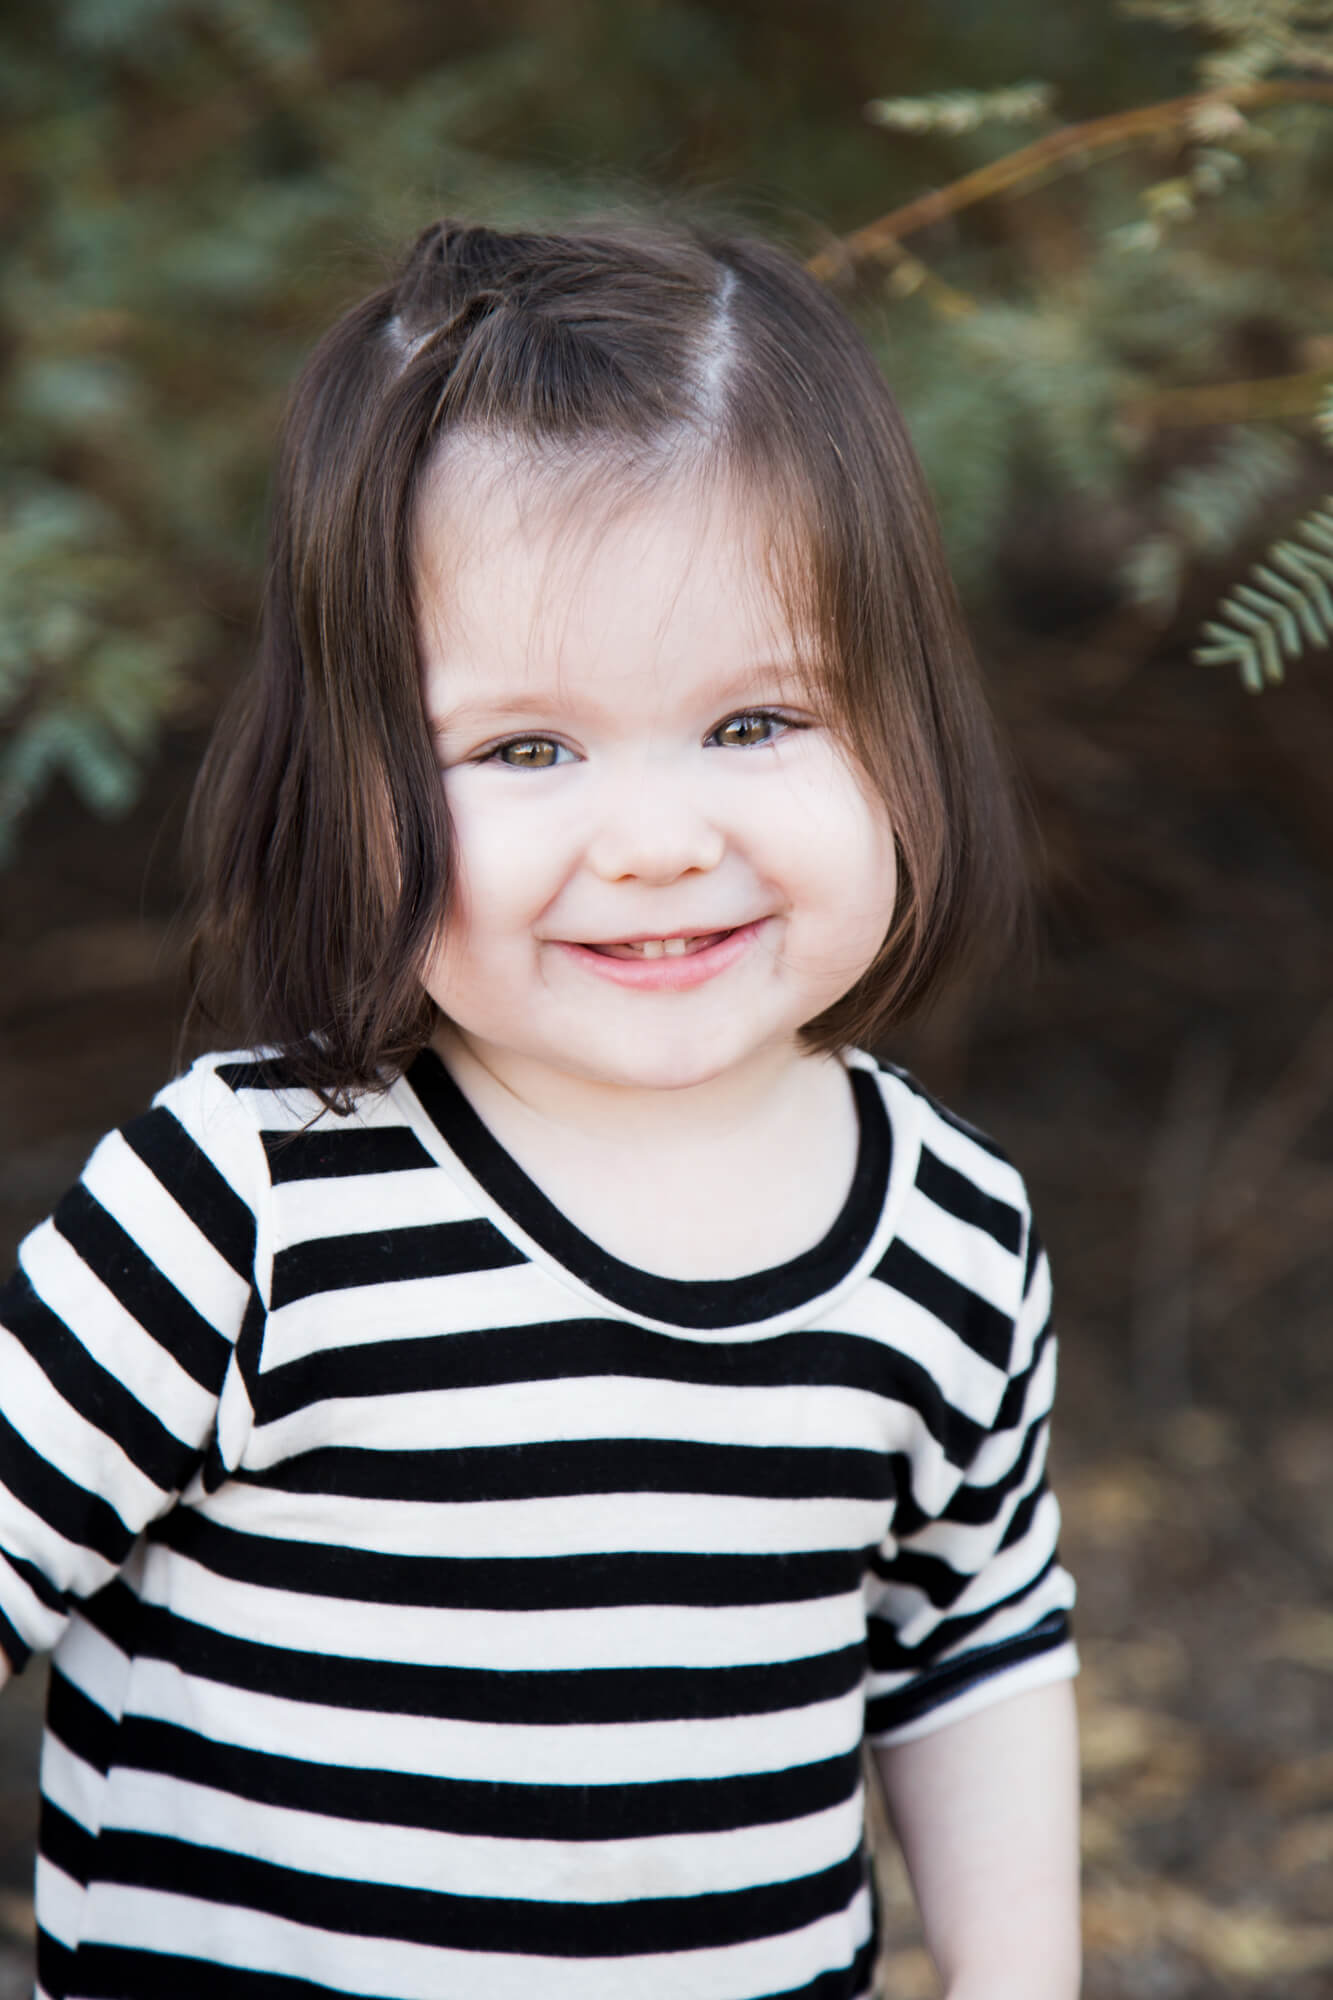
pixel 653 947
pixel 674 947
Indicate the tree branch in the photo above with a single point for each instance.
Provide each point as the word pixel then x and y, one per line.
pixel 1071 144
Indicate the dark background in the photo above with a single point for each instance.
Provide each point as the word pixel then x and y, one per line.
pixel 188 194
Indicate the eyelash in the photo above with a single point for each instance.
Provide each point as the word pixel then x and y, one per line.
pixel 781 723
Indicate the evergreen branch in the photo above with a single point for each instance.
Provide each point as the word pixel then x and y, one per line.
pixel 1269 399
pixel 1072 146
pixel 956 111
pixel 1257 627
pixel 1205 511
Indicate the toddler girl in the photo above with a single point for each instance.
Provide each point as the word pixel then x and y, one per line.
pixel 489 1453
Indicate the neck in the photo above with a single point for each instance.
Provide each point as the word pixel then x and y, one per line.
pixel 765 1095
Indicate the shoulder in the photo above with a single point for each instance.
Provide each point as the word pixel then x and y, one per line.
pixel 957 1165
pixel 247 1101
pixel 964 1242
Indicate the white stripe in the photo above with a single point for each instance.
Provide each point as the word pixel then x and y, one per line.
pixel 410 1308
pixel 967 1547
pixel 1059 1663
pixel 1054 1592
pixel 997 1452
pixel 1032 1316
pixel 25 1536
pixel 965 1378
pixel 583 1406
pixel 963 1251
pixel 59 1899
pixel 134 1196
pixel 993 1176
pixel 88 1458
pixel 74 1786
pixel 144 1919
pixel 576 1754
pixel 113 1337
pixel 915 1617
pixel 348 1205
pixel 679 1635
pixel 87 1658
pixel 546 1871
pixel 563 1525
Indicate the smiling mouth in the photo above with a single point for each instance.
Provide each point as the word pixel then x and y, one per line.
pixel 664 947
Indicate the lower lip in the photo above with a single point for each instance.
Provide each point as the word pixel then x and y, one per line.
pixel 667 974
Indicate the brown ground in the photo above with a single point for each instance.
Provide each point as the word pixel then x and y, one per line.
pixel 1166 1087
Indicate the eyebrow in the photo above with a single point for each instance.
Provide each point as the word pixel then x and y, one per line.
pixel 784 677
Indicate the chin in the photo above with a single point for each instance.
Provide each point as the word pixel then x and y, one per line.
pixel 664 1067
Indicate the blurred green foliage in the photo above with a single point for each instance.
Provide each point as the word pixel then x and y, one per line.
pixel 191 189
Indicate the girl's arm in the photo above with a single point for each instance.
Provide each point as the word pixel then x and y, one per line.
pixel 117 1334
pixel 986 1811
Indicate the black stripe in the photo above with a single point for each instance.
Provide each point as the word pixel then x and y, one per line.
pixel 975 1506
pixel 47 1593
pixel 704 1304
pixel 329 1152
pixel 1022 1517
pixel 103 1402
pixel 1034 1257
pixel 942 1111
pixel 75 1514
pixel 269 1073
pixel 1013 1403
pixel 108 1972
pixel 888 1655
pixel 493 1924
pixel 519 1583
pixel 85 1729
pixel 55 1967
pixel 544 1471
pixel 147 1296
pixel 63 1841
pixel 196 1186
pixel 935 1685
pixel 555 1696
pixel 932 1575
pixel 937 1580
pixel 488 1809
pixel 986 1330
pixel 563 1349
pixel 115 1612
pixel 388 1256
pixel 960 1197
pixel 15 1648
pixel 969 1505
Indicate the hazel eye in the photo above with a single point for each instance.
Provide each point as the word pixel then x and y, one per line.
pixel 742 732
pixel 529 753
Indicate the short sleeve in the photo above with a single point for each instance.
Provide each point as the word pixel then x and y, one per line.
pixel 969 1603
pixel 116 1333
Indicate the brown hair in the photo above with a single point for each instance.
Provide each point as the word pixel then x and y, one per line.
pixel 318 824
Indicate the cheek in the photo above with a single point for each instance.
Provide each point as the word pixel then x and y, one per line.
pixel 503 874
pixel 496 859
pixel 840 838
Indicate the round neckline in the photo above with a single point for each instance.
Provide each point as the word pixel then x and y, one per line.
pixel 699 1304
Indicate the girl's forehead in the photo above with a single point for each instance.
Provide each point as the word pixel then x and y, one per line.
pixel 537 563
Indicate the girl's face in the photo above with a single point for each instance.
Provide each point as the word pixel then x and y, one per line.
pixel 666 863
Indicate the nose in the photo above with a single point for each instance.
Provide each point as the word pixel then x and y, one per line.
pixel 651 829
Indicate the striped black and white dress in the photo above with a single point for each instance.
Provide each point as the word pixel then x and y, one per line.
pixel 441 1606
